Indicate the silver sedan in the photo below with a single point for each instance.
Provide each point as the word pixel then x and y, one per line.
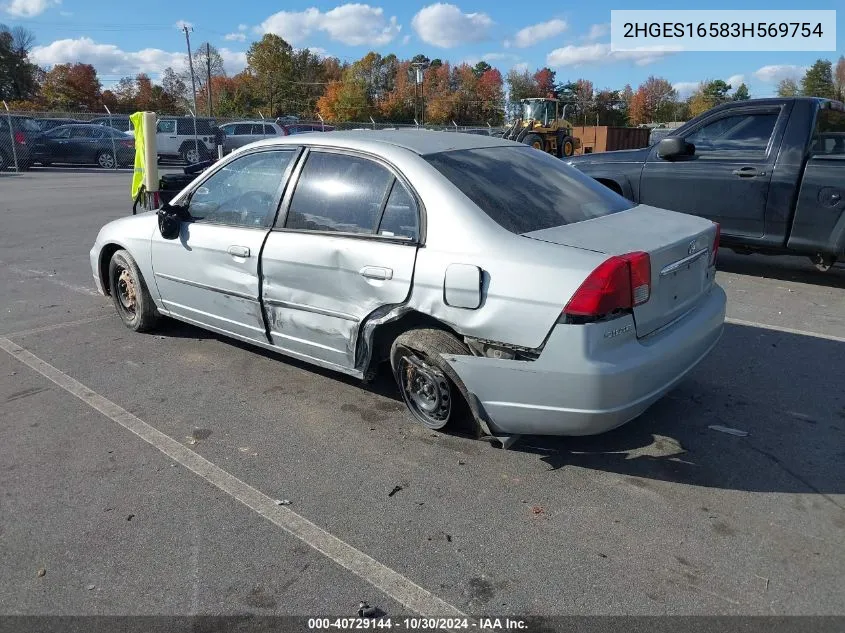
pixel 503 287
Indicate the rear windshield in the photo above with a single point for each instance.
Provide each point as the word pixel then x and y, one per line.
pixel 524 189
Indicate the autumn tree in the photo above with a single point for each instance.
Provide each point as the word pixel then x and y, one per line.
pixel 583 97
pixel 72 87
pixel 208 63
pixel 544 80
pixel 491 94
pixel 787 88
pixel 818 80
pixel 175 88
pixel 839 79
pixel 654 100
pixel 398 104
pixel 709 94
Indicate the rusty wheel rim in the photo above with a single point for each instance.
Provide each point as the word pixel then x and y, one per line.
pixel 426 391
pixel 126 293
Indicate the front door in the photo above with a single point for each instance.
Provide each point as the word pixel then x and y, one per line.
pixel 210 274
pixel 727 180
pixel 346 247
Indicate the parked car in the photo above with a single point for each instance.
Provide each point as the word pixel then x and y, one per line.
pixel 175 138
pixel 494 278
pixel 25 141
pixel 89 145
pixel 303 128
pixel 48 124
pixel 242 133
pixel 770 171
pixel 117 121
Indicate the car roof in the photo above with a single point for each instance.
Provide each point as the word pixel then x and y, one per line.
pixel 250 121
pixel 420 142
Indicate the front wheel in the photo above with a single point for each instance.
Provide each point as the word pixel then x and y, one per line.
pixel 568 146
pixel 431 389
pixel 129 293
pixel 535 141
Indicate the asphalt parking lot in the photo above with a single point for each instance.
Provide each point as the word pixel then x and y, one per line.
pixel 140 472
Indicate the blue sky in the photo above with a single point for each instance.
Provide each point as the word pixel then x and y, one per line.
pixel 573 39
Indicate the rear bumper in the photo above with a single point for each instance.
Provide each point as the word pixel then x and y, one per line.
pixel 585 382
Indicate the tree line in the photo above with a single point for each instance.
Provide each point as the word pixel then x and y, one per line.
pixel 281 80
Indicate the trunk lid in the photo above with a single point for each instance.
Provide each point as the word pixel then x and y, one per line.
pixel 679 246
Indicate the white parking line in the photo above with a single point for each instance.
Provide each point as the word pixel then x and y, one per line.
pixel 787 330
pixel 57 326
pixel 390 582
pixel 51 277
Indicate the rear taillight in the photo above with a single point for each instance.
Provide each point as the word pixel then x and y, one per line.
pixel 619 283
pixel 128 143
pixel 716 243
pixel 20 139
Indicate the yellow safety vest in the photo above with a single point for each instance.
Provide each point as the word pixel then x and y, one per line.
pixel 137 120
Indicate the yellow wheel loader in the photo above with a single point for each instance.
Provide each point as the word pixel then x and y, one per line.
pixel 543 126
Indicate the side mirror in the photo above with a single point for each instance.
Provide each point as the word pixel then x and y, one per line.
pixel 170 220
pixel 674 147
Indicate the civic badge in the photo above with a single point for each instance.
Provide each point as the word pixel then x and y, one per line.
pixel 693 246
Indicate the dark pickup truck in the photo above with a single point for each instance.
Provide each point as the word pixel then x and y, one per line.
pixel 771 172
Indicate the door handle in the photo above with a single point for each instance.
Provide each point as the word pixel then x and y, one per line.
pixel 376 272
pixel 747 172
pixel 238 251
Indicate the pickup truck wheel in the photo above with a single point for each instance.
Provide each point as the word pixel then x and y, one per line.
pixel 431 389
pixel 129 293
pixel 823 263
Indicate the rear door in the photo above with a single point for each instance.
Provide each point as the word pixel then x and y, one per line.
pixel 81 146
pixel 346 246
pixel 727 180
pixel 210 274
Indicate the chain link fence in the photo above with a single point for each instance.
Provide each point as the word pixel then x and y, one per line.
pixel 27 140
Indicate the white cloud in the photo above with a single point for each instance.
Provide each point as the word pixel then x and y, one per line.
pixel 108 59
pixel 319 52
pixel 181 24
pixel 28 8
pixel 352 24
pixel 406 39
pixel 597 31
pixel 685 88
pixel 778 72
pixel 531 35
pixel 735 80
pixel 490 58
pixel 234 37
pixel 599 54
pixel 521 67
pixel 242 27
pixel 446 26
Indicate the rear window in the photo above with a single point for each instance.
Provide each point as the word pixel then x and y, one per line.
pixel 186 126
pixel 27 124
pixel 829 135
pixel 523 189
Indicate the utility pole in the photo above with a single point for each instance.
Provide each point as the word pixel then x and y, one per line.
pixel 208 74
pixel 187 29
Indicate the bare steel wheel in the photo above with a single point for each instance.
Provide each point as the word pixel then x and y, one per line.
pixel 434 393
pixel 425 390
pixel 129 293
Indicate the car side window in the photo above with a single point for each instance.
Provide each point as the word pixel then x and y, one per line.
pixel 228 129
pixel 269 130
pixel 829 135
pixel 243 129
pixel 400 217
pixel 737 134
pixel 242 193
pixel 337 192
pixel 166 127
pixel 60 133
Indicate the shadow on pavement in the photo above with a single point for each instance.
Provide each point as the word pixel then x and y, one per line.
pixel 776 387
pixel 798 269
